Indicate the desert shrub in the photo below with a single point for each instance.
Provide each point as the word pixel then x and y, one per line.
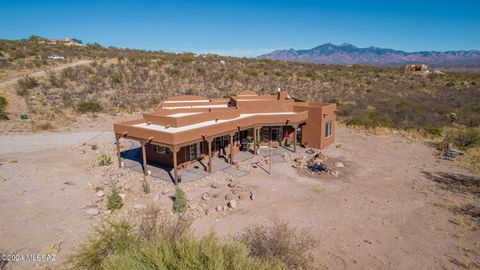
pixel 146 187
pixel 3 105
pixel 180 204
pixel 104 160
pixel 370 120
pixel 282 242
pixel 463 138
pixel 114 201
pixel 119 246
pixel 152 226
pixel 94 147
pixel 110 239
pixel 89 106
pixel 25 84
pixel 433 130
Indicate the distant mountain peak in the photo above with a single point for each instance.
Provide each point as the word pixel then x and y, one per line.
pixel 347 53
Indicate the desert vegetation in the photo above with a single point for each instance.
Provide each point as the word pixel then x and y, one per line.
pixel 169 244
pixel 366 96
pixel 3 105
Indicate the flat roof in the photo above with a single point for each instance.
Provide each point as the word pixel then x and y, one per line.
pixel 182 114
pixel 196 106
pixel 163 128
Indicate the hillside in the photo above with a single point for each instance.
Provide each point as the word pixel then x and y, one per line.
pixel 121 80
pixel 349 54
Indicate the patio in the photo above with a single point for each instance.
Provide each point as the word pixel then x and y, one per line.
pixel 132 159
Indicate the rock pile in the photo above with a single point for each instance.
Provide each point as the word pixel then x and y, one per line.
pixel 313 162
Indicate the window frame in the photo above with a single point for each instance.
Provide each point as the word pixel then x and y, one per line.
pixel 160 150
pixel 328 129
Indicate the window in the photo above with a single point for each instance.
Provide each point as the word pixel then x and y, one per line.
pixel 328 129
pixel 195 150
pixel 160 150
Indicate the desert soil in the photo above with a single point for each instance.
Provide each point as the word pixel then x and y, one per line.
pixel 382 212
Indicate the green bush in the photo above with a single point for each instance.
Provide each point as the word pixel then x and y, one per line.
pixel 25 84
pixel 104 160
pixel 114 201
pixel 463 138
pixel 110 239
pixel 118 246
pixel 180 204
pixel 89 106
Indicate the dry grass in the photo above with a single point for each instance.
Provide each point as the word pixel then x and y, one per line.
pixel 471 160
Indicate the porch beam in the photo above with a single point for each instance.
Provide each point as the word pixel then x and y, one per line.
pixel 230 158
pixel 175 169
pixel 254 140
pixel 119 156
pixel 209 155
pixel 295 138
pixel 144 157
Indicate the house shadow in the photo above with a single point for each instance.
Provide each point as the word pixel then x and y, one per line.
pixel 132 159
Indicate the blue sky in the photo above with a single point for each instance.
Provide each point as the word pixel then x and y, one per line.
pixel 248 28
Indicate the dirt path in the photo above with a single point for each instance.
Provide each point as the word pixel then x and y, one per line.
pixel 16 104
pixel 27 143
pixel 41 73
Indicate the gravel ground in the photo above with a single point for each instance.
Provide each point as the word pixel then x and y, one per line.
pixel 381 212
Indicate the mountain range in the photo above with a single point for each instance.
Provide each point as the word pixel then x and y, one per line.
pixel 349 54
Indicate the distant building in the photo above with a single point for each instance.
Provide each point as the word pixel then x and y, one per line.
pixel 416 68
pixel 64 41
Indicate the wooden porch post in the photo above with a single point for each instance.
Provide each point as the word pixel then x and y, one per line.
pixel 209 155
pixel 270 161
pixel 295 139
pixel 255 140
pixel 117 142
pixel 175 170
pixel 144 157
pixel 231 148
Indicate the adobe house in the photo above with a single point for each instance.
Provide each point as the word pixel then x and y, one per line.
pixel 183 129
pixel 416 68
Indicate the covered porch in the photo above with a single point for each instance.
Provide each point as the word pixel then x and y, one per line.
pixel 195 160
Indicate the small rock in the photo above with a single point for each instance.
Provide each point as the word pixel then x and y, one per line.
pixel 123 196
pixel 193 206
pixel 108 212
pixel 230 196
pixel 219 208
pixel 92 211
pixel 252 196
pixel 214 185
pixel 206 196
pixel 232 204
pixel 156 198
pixel 232 184
pixel 184 217
pixel 339 164
pixel 100 193
pixel 140 206
pixel 334 173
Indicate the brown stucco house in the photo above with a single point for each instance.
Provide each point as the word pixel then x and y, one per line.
pixel 186 128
